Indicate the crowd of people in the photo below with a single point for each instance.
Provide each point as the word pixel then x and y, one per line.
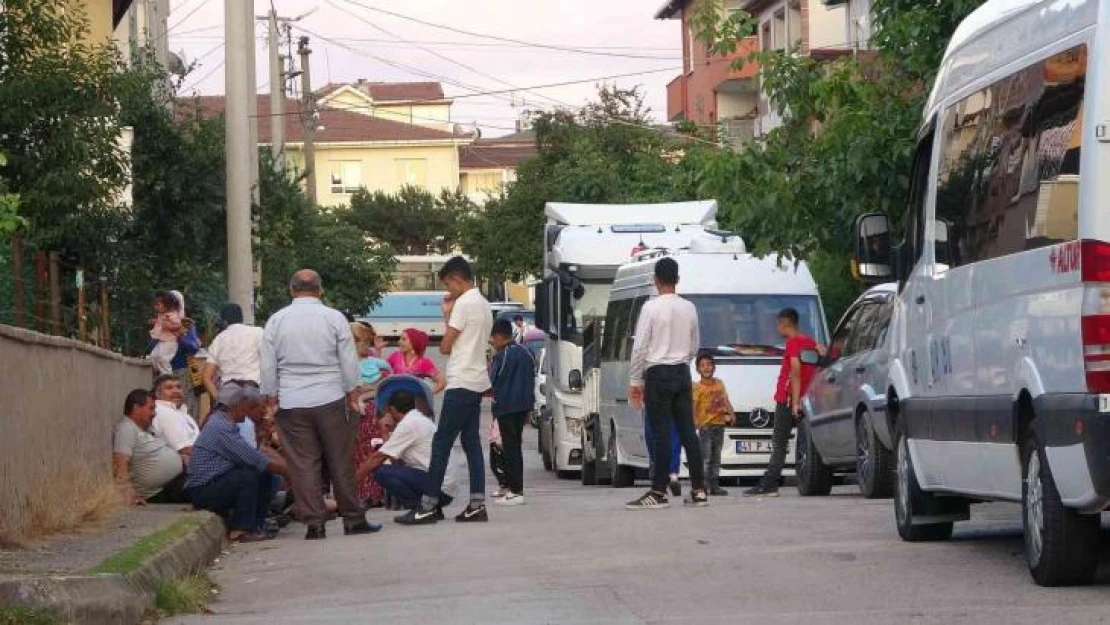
pixel 311 420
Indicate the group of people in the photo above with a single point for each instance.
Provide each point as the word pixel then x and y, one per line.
pixel 305 422
pixel 681 414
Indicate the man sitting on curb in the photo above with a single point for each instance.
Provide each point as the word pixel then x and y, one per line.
pixel 409 450
pixel 172 422
pixel 229 477
pixel 145 468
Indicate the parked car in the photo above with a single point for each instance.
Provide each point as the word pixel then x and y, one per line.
pixel 846 429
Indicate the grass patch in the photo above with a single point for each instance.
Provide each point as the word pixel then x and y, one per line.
pixel 129 560
pixel 187 595
pixel 11 615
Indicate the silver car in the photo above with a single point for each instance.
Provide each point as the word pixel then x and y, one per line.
pixel 846 429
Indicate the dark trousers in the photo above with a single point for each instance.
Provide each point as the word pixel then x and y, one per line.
pixel 784 425
pixel 497 464
pixel 173 492
pixel 712 439
pixel 460 417
pixel 667 402
pixel 312 437
pixel 512 435
pixel 405 484
pixel 242 496
pixel 676 446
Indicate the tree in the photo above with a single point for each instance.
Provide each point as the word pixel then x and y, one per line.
pixel 411 221
pixel 10 221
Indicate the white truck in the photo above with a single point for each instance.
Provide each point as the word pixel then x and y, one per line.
pixel 584 244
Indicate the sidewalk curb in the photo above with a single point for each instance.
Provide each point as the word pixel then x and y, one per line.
pixel 111 598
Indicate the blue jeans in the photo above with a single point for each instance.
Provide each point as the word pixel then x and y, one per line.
pixel 676 444
pixel 405 484
pixel 241 496
pixel 460 416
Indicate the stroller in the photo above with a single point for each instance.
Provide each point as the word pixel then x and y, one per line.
pixel 425 400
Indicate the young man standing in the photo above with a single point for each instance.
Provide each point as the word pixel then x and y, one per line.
pixel 469 320
pixel 666 341
pixel 794 379
pixel 514 380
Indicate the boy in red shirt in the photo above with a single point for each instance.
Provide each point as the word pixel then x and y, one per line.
pixel 794 379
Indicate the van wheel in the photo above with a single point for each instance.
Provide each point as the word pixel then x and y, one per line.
pixel 814 478
pixel 619 476
pixel 1061 544
pixel 545 445
pixel 874 462
pixel 589 466
pixel 910 500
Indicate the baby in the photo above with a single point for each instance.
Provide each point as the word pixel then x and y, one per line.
pixel 168 323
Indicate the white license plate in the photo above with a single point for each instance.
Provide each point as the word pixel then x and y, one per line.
pixel 758 447
pixel 1104 403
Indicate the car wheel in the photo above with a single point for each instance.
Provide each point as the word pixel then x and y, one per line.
pixel 1061 545
pixel 814 478
pixel 589 465
pixel 910 500
pixel 874 462
pixel 619 476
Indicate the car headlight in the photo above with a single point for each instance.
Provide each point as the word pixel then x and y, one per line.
pixel 574 427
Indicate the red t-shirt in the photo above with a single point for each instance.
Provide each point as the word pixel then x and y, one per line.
pixel 794 349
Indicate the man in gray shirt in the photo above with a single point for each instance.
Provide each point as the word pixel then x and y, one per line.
pixel 310 371
pixel 146 469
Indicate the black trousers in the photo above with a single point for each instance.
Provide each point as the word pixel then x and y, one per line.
pixel 667 401
pixel 241 496
pixel 784 425
pixel 512 434
pixel 173 492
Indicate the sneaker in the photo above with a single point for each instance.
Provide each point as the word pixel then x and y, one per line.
pixel 499 493
pixel 697 499
pixel 472 514
pixel 717 491
pixel 651 500
pixel 511 499
pixel 417 516
pixel 762 491
pixel 675 486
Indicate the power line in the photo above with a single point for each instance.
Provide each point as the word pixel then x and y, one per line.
pixel 467 44
pixel 533 44
pixel 186 18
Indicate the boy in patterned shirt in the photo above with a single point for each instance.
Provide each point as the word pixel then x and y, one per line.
pixel 712 412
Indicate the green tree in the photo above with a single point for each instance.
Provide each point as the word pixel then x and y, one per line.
pixel 10 221
pixel 411 221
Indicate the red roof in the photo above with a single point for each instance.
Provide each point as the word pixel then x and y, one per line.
pixel 390 91
pixel 499 152
pixel 333 126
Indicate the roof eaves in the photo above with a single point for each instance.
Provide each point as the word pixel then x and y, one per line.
pixel 669 9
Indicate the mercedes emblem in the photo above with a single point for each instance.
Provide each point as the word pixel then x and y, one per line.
pixel 760 418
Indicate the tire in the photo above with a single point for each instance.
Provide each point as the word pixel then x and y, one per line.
pixel 619 476
pixel 910 500
pixel 874 462
pixel 589 467
pixel 814 478
pixel 545 446
pixel 1061 544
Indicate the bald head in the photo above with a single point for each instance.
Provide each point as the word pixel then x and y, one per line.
pixel 306 283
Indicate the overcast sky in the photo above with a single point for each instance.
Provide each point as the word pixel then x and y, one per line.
pixel 610 27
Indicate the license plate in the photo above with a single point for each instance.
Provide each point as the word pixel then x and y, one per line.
pixel 753 447
pixel 1104 403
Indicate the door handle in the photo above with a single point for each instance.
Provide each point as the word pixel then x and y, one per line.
pixel 831 379
pixel 920 299
pixel 621 400
pixel 861 369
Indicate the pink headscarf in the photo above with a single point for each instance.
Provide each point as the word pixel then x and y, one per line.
pixel 418 340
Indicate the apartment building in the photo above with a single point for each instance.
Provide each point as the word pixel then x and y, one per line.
pixel 711 92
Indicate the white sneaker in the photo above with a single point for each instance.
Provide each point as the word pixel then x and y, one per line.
pixel 499 493
pixel 511 499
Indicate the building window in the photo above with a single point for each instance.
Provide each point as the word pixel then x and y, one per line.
pixel 765 37
pixel 780 29
pixel 688 50
pixel 346 176
pixel 794 26
pixel 1009 169
pixel 412 171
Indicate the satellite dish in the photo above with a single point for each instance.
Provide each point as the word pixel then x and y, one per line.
pixel 176 64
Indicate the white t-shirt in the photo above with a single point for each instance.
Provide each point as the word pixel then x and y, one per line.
pixel 174 426
pixel 411 441
pixel 236 351
pixel 466 367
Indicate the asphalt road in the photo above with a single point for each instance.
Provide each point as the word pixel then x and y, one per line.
pixel 574 555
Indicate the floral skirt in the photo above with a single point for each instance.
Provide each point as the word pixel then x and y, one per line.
pixel 369 428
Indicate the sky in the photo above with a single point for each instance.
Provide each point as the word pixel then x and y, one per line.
pixel 350 41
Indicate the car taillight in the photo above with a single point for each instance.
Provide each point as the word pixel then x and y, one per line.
pixel 1094 262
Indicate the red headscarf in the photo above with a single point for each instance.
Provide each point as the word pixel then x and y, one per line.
pixel 418 340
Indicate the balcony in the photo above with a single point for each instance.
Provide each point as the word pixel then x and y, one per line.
pixel 692 95
pixel 676 98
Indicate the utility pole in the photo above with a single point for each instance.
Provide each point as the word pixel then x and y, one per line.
pixel 277 94
pixel 239 26
pixel 309 119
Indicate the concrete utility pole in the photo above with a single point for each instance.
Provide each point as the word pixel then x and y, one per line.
pixel 238 28
pixel 277 94
pixel 309 118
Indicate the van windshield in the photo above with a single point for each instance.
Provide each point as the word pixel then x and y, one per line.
pixel 746 325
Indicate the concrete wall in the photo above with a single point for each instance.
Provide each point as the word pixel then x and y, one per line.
pixel 59 400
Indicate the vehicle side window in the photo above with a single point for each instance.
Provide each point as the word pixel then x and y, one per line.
pixel 1008 178
pixel 636 306
pixel 882 322
pixel 863 335
pixel 616 316
pixel 847 328
pixel 919 190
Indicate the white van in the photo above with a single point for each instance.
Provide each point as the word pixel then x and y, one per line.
pixel 738 298
pixel 1000 341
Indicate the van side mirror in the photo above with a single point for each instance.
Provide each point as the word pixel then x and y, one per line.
pixel 574 380
pixel 874 260
pixel 810 357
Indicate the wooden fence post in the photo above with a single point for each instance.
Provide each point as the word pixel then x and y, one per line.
pixel 82 304
pixel 55 296
pixel 18 281
pixel 40 291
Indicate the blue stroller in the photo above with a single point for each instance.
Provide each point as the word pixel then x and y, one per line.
pixel 421 390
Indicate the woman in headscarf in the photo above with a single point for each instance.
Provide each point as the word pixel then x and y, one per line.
pixel 410 359
pixel 370 432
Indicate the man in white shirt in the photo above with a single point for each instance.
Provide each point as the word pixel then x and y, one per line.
pixel 235 354
pixel 469 320
pixel 667 340
pixel 408 449
pixel 172 422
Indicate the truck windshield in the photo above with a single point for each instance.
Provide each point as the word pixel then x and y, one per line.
pixel 746 325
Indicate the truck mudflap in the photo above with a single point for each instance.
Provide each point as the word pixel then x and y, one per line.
pixel 1075 430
